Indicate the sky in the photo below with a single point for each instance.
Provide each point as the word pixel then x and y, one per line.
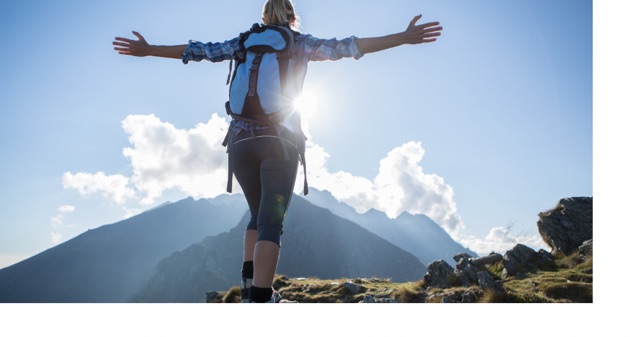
pixel 480 131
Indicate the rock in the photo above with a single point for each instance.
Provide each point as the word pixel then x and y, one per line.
pixel 282 300
pixel 371 299
pixel 487 282
pixel 352 287
pixel 460 297
pixel 567 226
pixel 467 275
pixel 487 260
pixel 462 260
pixel 212 297
pixel 439 274
pixel 521 259
pixel 585 252
pixel 518 259
pixel 545 257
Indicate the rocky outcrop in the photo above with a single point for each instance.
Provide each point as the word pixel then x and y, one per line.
pixel 473 271
pixel 522 258
pixel 566 227
pixel 439 274
pixel 477 279
pixel 469 272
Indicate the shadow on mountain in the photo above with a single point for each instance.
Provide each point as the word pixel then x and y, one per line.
pixel 316 243
pixel 109 264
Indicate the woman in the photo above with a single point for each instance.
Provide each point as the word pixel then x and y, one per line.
pixel 266 166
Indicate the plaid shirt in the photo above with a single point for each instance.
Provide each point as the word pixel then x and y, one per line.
pixel 306 48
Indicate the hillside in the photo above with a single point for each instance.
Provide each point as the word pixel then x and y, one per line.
pixel 521 275
pixel 567 280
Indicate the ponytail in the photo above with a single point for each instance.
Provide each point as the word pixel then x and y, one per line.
pixel 279 12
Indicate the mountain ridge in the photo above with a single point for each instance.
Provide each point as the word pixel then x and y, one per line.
pixel 408 231
pixel 113 262
pixel 107 264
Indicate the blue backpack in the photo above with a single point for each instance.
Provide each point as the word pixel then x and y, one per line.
pixel 264 84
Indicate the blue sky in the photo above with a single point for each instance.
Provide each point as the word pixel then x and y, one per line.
pixel 493 123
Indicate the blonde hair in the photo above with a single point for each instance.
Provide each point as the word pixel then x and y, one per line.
pixel 279 12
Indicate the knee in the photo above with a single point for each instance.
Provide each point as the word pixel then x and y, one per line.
pixel 253 222
pixel 270 232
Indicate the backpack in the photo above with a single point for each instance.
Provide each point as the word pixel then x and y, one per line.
pixel 260 84
pixel 265 83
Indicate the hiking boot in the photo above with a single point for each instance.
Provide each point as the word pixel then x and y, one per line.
pixel 245 284
pixel 275 297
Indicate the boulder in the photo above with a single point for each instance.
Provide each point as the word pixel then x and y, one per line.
pixel 439 274
pixel 567 226
pixel 487 282
pixel 585 252
pixel 521 259
pixel 487 260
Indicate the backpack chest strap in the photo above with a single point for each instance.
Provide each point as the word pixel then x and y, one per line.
pixel 253 75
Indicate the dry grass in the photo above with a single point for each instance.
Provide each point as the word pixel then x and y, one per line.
pixel 568 281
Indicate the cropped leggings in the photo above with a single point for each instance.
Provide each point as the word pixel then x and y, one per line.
pixel 267 178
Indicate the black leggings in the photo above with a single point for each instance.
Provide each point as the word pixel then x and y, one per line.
pixel 267 178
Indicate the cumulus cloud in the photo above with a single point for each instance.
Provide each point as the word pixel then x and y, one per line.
pixel 114 187
pixel 193 161
pixel 66 209
pixel 400 186
pixel 163 157
pixel 499 240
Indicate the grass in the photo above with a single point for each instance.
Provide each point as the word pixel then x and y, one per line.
pixel 569 280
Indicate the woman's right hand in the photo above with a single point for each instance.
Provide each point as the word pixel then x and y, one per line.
pixel 137 48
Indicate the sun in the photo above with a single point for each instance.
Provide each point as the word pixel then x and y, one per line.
pixel 306 104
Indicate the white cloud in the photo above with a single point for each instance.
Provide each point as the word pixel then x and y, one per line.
pixel 57 220
pixel 163 157
pixel 66 209
pixel 193 161
pixel 56 238
pixel 114 187
pixel 500 239
pixel 400 186
pixel 57 223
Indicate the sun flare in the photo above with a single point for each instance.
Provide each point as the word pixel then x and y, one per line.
pixel 306 104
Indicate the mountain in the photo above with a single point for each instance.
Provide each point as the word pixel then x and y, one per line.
pixel 109 264
pixel 315 243
pixel 417 234
pixel 184 248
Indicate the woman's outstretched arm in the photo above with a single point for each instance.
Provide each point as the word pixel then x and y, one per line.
pixel 141 48
pixel 414 34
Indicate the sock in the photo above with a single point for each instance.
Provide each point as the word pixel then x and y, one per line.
pixel 248 269
pixel 260 295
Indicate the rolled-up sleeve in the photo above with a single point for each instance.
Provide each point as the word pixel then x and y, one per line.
pixel 316 49
pixel 214 52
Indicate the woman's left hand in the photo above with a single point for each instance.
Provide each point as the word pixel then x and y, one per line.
pixel 424 33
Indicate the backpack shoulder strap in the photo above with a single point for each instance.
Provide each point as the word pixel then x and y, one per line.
pixel 241 53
